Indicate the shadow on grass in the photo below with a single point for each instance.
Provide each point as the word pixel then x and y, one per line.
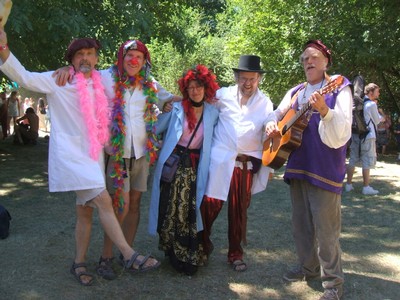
pixel 35 259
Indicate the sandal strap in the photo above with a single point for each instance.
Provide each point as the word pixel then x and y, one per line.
pixel 128 263
pixel 79 265
pixel 105 260
pixel 84 273
pixel 143 261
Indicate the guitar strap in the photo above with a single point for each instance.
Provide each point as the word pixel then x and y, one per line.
pixel 294 97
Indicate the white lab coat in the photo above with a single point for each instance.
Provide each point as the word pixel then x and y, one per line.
pixel 238 131
pixel 70 166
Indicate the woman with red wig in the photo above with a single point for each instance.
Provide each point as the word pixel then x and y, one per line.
pixel 175 207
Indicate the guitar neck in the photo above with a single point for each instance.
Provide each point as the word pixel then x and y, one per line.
pixel 306 107
pixel 330 86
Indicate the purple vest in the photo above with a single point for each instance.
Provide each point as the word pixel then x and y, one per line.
pixel 314 161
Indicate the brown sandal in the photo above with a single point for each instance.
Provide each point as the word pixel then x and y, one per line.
pixel 83 273
pixel 134 265
pixel 104 268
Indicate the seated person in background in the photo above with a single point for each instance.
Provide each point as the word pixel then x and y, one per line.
pixel 27 128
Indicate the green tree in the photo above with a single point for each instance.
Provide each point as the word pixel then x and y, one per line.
pixel 364 37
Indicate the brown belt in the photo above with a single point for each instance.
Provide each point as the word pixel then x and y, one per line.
pixel 242 158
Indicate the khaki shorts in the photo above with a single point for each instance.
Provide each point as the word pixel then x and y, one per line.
pixel 137 171
pixel 365 156
pixel 85 197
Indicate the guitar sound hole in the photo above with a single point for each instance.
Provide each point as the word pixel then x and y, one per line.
pixel 284 129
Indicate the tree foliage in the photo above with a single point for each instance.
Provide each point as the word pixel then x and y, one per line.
pixel 363 35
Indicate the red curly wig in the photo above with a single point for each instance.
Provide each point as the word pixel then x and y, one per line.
pixel 204 77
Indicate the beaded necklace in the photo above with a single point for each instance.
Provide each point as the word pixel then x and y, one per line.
pixel 118 126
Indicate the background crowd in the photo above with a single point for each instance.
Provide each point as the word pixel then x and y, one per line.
pixel 13 112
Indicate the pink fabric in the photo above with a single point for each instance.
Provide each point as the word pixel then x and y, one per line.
pixel 186 135
pixel 96 119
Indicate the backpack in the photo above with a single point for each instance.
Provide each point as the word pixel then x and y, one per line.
pixel 4 222
pixel 359 126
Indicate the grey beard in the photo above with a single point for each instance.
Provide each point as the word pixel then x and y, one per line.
pixel 85 69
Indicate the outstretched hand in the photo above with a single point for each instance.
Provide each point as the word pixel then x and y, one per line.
pixel 4 51
pixel 3 37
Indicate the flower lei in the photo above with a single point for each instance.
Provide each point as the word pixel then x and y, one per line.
pixel 118 127
pixel 96 120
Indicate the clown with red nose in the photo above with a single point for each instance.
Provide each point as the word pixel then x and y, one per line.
pixel 135 98
pixel 133 56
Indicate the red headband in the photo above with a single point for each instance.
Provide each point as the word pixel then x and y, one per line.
pixel 131 45
pixel 317 44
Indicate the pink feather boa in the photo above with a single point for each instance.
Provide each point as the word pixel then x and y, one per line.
pixel 95 113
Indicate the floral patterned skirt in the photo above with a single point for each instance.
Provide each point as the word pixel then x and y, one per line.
pixel 177 226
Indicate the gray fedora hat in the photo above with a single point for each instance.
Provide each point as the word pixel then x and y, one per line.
pixel 249 63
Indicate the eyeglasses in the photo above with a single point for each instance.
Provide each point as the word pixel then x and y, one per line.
pixel 197 88
pixel 245 80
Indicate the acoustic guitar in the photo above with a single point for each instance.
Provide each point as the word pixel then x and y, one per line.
pixel 277 149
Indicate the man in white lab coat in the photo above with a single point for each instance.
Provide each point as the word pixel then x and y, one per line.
pixel 79 130
pixel 235 168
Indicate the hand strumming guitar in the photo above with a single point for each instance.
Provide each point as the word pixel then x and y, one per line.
pixel 271 129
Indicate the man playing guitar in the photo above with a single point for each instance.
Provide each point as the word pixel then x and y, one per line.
pixel 316 169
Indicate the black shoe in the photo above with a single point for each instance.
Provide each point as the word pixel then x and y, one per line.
pixel 189 269
pixel 297 274
pixel 104 268
pixel 175 262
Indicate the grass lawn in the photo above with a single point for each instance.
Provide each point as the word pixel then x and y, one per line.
pixel 36 257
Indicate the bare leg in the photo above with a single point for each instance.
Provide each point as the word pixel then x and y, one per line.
pixel 8 125
pixel 82 237
pixel 14 123
pixel 131 222
pixel 350 173
pixel 108 244
pixel 365 173
pixel 113 229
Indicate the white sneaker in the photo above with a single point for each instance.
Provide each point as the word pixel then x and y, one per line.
pixel 348 187
pixel 367 190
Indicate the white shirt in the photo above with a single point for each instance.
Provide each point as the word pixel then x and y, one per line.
pixel 372 118
pixel 135 100
pixel 240 130
pixel 70 166
pixel 335 128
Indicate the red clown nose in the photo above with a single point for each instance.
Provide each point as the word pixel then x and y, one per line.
pixel 134 61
